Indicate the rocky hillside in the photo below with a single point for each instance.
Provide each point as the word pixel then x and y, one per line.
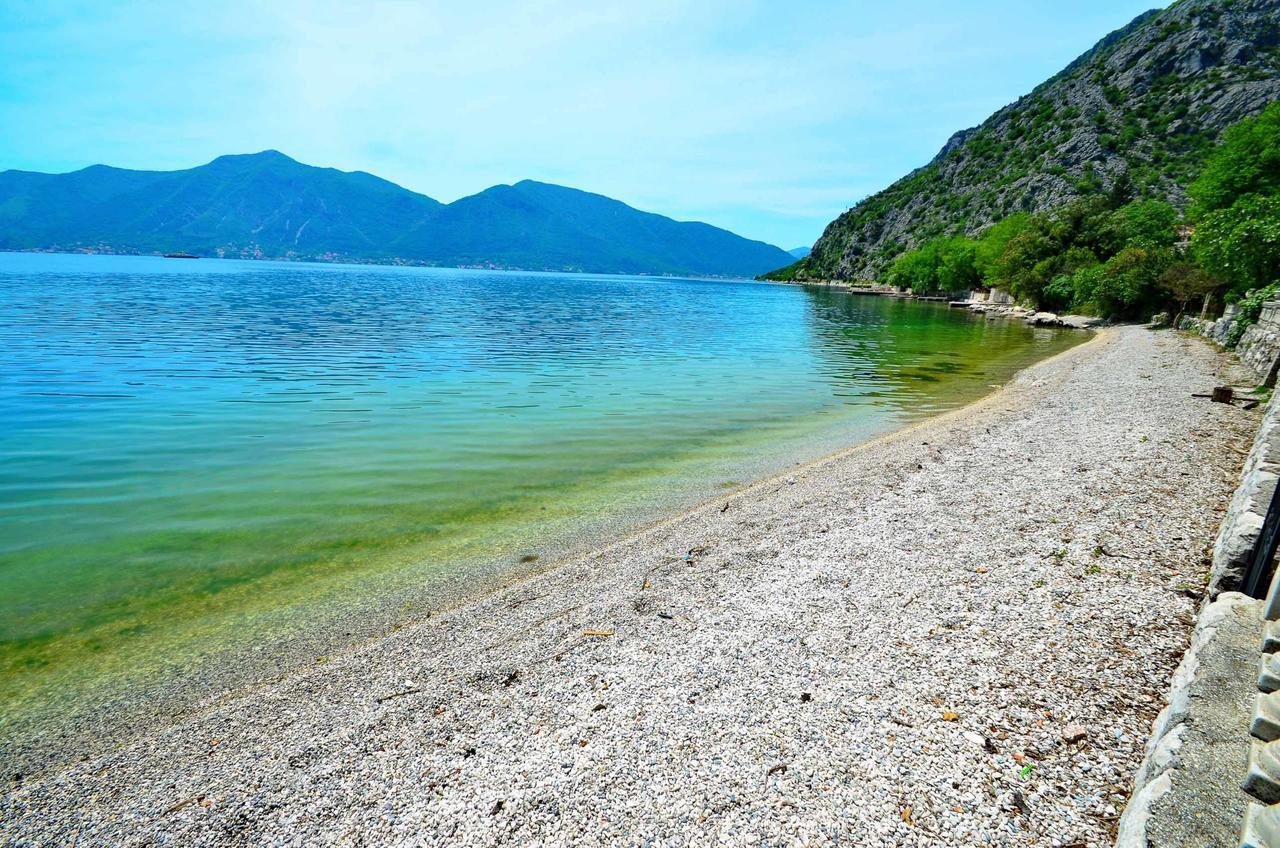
pixel 1140 109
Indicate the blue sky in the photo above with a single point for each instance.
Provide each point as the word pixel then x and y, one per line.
pixel 766 118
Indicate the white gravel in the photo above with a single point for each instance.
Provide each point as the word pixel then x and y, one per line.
pixel 885 648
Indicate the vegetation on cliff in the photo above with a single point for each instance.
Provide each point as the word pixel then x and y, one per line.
pixel 1106 253
pixel 1133 119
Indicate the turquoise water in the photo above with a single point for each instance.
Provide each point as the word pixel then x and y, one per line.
pixel 199 453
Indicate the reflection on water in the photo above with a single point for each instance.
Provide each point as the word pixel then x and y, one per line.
pixel 193 453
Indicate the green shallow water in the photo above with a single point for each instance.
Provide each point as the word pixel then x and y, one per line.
pixel 199 459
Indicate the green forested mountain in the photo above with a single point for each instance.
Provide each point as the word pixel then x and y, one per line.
pixel 266 205
pixel 1138 113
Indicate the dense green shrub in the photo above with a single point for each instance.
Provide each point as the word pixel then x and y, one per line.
pixel 1241 243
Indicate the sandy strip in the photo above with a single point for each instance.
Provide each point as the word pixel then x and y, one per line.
pixel 883 648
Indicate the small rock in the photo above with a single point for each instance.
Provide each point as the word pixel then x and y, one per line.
pixel 1074 733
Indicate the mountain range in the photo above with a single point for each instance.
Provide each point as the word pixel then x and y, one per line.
pixel 269 206
pixel 1137 113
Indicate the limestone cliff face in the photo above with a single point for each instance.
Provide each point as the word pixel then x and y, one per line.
pixel 1143 107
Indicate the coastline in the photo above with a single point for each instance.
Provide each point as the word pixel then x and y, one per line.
pixel 645 590
pixel 255 634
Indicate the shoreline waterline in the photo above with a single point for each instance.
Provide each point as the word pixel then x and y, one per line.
pixel 718 643
pixel 256 631
pixel 187 694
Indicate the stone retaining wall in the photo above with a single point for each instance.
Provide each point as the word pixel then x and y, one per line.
pixel 1259 347
pixel 1188 792
pixel 1216 330
pixel 1243 521
pixel 1211 775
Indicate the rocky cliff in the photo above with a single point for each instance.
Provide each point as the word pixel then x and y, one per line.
pixel 1138 112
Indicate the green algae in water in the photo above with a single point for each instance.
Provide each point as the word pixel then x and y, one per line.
pixel 228 457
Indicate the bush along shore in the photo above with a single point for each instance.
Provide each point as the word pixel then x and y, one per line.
pixel 1115 256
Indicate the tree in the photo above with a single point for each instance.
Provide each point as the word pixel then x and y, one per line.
pixel 1186 282
pixel 1147 223
pixel 945 264
pixel 990 247
pixel 1241 243
pixel 958 266
pixel 916 269
pixel 1246 162
pixel 1125 284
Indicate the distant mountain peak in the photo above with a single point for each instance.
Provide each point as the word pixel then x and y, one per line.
pixel 262 157
pixel 269 205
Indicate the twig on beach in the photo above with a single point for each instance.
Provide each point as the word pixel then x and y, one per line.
pixel 725 508
pixel 1102 550
pixel 597 633
pixel 186 802
pixel 385 698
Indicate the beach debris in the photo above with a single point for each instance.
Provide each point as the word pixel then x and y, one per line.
pixel 185 802
pixel 976 738
pixel 468 752
pixel 597 633
pixel 1220 394
pixel 906 815
pixel 1073 733
pixel 725 508
pixel 668 616
pixel 385 698
pixel 1020 803
pixel 597 708
pixel 696 551
pixel 526 558
pixel 947 715
pixel 512 677
pixel 806 697
pixel 497 807
pixel 780 768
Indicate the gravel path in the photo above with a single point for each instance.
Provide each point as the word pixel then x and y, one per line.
pixel 890 647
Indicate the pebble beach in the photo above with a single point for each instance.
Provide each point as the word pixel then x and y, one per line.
pixel 954 635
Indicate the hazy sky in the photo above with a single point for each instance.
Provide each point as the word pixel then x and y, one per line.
pixel 766 118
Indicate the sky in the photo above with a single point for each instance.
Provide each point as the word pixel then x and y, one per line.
pixel 767 118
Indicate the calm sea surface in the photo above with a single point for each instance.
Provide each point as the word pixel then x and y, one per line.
pixel 200 455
